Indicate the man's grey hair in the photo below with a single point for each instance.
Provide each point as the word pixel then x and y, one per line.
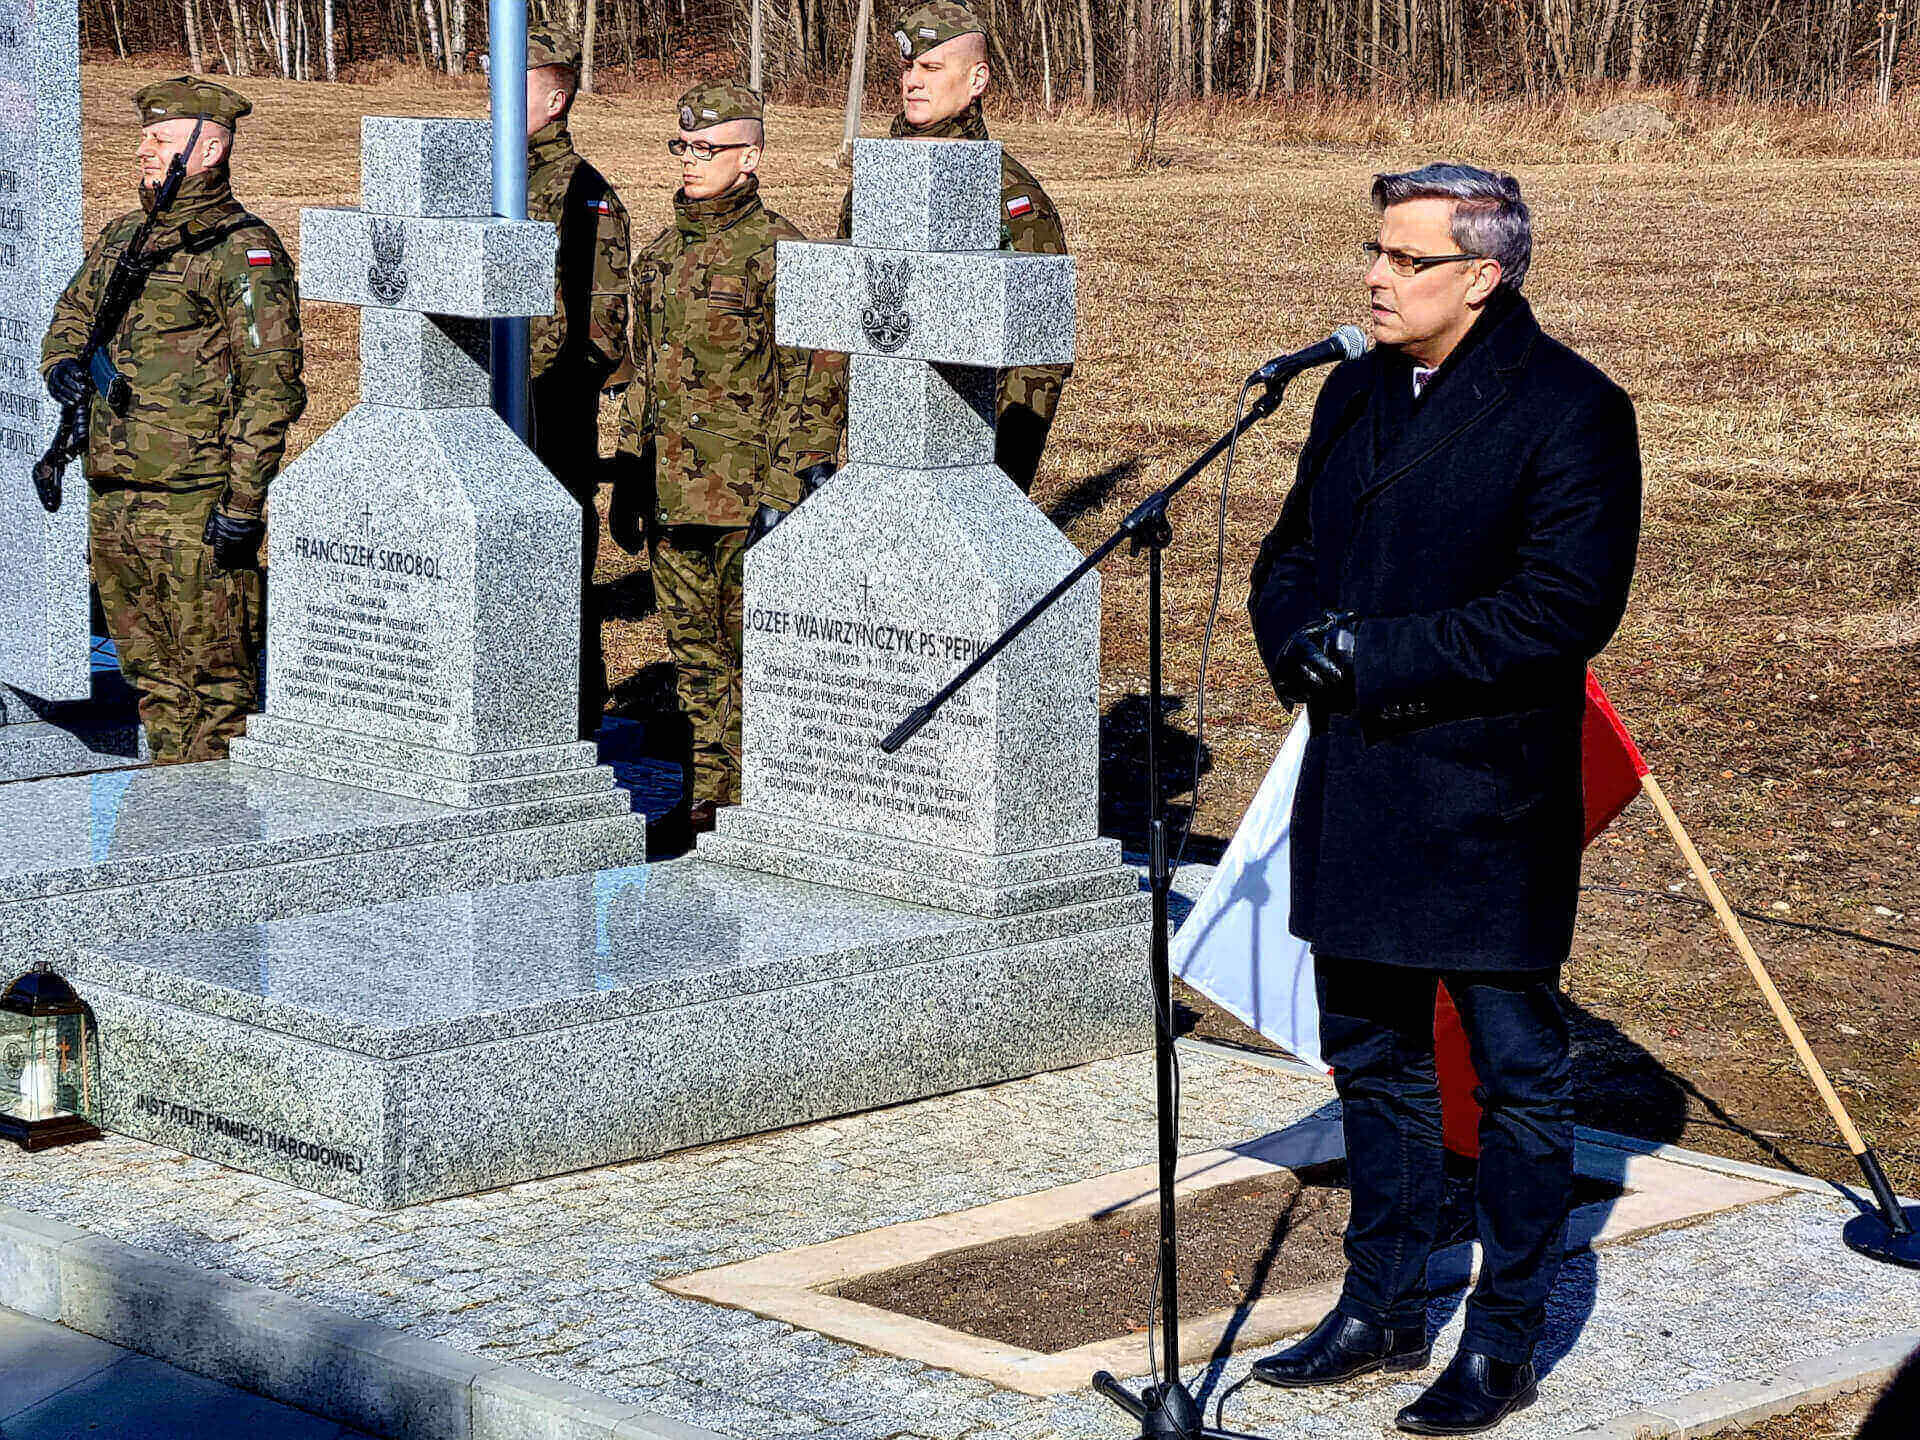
pixel 1489 217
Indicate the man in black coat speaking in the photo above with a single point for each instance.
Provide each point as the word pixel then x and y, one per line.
pixel 1457 546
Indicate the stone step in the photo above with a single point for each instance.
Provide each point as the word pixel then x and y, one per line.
pixel 395 1053
pixel 117 856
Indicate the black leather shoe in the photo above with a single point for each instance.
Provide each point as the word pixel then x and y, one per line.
pixel 1474 1393
pixel 1340 1348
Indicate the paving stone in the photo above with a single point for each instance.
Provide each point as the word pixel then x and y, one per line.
pixel 569 1265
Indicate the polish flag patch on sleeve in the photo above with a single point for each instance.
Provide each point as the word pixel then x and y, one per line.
pixel 259 257
pixel 1019 206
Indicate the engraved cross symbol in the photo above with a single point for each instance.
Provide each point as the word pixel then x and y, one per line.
pixel 866 592
pixel 367 517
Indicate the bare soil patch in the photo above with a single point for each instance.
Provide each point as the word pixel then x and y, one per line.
pixel 1092 1281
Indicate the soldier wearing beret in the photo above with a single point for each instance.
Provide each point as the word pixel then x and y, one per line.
pixel 581 348
pixel 178 476
pixel 943 74
pixel 725 431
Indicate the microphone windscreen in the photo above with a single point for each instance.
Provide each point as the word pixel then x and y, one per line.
pixel 1352 340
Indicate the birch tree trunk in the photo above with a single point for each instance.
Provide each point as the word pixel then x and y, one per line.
pixel 589 26
pixel 188 7
pixel 1288 76
pixel 756 32
pixel 327 34
pixel 1697 55
pixel 856 82
pixel 1604 41
pixel 1637 43
pixel 1086 50
pixel 457 39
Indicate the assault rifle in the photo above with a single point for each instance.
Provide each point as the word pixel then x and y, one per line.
pixel 124 284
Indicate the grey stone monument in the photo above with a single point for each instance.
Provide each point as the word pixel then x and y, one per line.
pixel 423 620
pixel 45 725
pixel 909 562
pixel 356 1018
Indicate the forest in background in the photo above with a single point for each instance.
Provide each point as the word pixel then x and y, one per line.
pixel 1137 55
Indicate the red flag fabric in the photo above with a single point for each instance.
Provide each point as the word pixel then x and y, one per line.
pixel 1610 762
pixel 1611 767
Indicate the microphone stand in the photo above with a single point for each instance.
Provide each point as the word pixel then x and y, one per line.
pixel 1166 1411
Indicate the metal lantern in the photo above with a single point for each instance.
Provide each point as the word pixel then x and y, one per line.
pixel 46 1066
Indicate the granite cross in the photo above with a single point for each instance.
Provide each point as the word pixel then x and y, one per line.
pixel 925 302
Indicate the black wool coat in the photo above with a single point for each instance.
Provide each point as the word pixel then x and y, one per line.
pixel 1485 536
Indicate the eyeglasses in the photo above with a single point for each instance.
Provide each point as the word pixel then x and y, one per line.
pixel 701 149
pixel 1405 264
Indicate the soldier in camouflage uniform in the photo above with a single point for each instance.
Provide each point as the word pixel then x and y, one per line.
pixel 943 74
pixel 178 484
pixel 728 429
pixel 581 348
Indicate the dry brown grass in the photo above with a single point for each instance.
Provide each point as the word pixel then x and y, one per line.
pixel 1752 294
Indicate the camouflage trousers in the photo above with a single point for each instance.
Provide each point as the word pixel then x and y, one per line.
pixel 189 634
pixel 698 574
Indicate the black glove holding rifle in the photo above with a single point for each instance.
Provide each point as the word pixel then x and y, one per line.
pixel 74 382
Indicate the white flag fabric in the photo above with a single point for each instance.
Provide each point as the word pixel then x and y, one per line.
pixel 1235 947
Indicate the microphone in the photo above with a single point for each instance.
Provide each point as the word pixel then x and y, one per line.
pixel 1346 343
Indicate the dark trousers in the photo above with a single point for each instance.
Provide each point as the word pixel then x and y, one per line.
pixel 1376 1031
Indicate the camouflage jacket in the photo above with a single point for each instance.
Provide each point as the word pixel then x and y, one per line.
pixel 211 348
pixel 588 328
pixel 733 417
pixel 1028 222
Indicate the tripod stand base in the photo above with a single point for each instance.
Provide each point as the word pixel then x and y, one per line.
pixel 1165 1412
pixel 1871 1236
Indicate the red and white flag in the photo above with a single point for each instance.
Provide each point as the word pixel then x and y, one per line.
pixel 1235 947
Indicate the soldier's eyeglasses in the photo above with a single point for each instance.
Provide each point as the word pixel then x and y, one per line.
pixel 1405 264
pixel 701 149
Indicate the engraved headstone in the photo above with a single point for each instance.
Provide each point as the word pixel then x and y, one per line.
pixel 423 620
pixel 885 583
pixel 43 558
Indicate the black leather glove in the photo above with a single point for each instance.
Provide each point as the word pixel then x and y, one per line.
pixel 634 498
pixel 67 382
pixel 1316 663
pixel 235 539
pixel 764 519
pixel 814 476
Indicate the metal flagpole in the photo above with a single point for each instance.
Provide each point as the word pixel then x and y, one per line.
pixel 507 88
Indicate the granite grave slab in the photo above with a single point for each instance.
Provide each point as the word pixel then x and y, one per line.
pixel 393 1054
pixel 122 855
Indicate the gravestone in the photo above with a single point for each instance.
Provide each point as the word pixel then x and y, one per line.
pixel 424 614
pixel 909 562
pixel 45 634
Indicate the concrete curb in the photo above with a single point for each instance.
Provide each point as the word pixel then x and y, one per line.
pixel 329 1364
pixel 1747 1402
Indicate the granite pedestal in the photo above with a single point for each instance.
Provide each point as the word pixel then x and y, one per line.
pixel 392 1054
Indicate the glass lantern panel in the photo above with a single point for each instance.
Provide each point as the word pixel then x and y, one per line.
pixel 26 1079
pixel 73 1078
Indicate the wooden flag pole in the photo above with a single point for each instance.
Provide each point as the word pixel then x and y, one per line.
pixel 1894 1216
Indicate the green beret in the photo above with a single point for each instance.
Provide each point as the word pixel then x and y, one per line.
pixel 190 97
pixel 921 27
pixel 552 44
pixel 714 102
